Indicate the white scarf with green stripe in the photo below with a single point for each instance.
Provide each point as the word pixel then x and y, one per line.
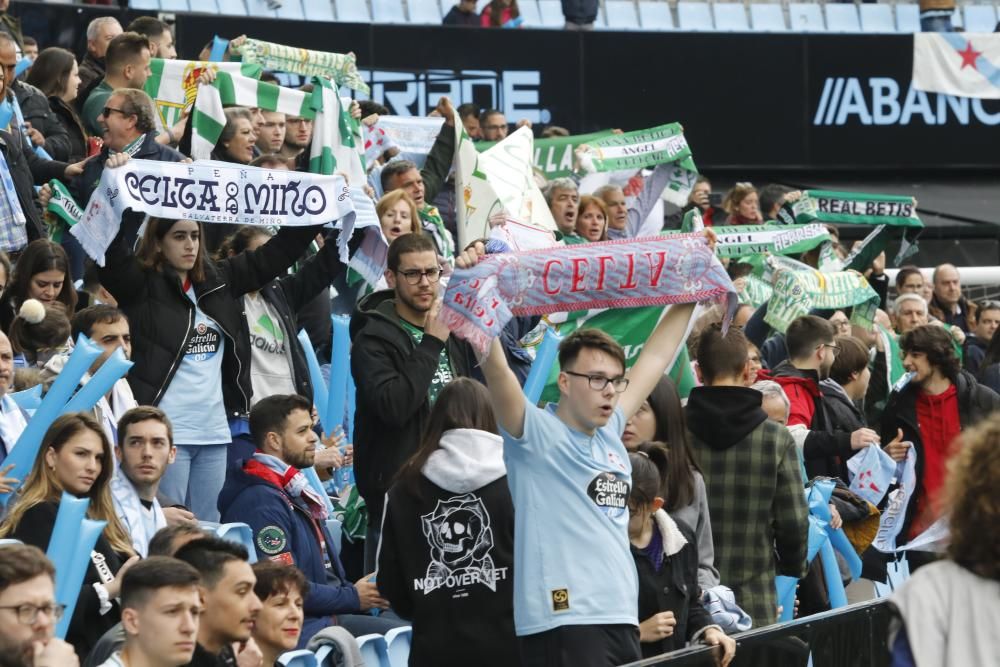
pixel 173 84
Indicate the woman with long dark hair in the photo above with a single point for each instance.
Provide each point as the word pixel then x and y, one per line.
pixel 56 74
pixel 42 272
pixel 75 457
pixel 661 419
pixel 190 353
pixel 666 561
pixel 449 527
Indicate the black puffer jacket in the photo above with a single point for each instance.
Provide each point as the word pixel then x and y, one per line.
pixel 392 376
pixel 975 403
pixel 843 416
pixel 74 148
pixel 35 108
pixel 161 315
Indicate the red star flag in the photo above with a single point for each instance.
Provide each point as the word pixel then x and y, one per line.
pixel 960 64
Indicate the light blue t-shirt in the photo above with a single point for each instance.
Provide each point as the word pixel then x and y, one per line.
pixel 572 564
pixel 193 401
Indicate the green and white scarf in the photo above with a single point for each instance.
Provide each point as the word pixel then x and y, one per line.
pixel 554 157
pixel 173 84
pixel 341 67
pixel 209 116
pixel 337 145
pixel 744 240
pixel 797 292
pixel 647 148
pixel 62 210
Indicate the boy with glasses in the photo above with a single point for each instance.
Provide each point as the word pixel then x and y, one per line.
pixel 401 358
pixel 575 583
pixel 29 612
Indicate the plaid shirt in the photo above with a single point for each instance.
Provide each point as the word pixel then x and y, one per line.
pixel 13 234
pixel 759 515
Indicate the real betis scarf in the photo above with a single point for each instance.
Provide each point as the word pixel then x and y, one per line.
pixel 341 67
pixel 614 274
pixel 852 208
pixel 554 157
pixel 744 240
pixel 647 148
pixel 173 84
pixel 62 210
pixel 209 116
pixel 798 292
pixel 337 145
pixel 631 327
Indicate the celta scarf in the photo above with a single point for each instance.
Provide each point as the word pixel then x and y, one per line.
pixel 797 292
pixel 291 480
pixel 230 89
pixel 892 519
pixel 211 192
pixel 341 67
pixel 615 274
pixel 886 212
pixel 647 148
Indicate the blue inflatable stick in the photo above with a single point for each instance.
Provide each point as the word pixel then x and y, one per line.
pixel 340 368
pixel 112 370
pixel 544 358
pixel 26 450
pixel 315 376
pixel 786 596
pixel 87 534
pixel 219 47
pixel 29 399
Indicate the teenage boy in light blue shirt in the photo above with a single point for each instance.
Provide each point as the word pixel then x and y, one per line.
pixel 575 586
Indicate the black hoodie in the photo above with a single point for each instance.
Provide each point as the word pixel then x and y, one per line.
pixel 723 416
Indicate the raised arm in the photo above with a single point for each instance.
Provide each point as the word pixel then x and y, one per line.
pixel 505 391
pixel 657 354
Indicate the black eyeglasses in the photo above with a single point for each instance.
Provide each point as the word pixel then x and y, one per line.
pixel 106 111
pixel 414 277
pixel 599 382
pixel 28 613
pixel 833 346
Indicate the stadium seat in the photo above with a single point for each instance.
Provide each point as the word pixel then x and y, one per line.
pixel 767 18
pixel 980 18
pixel 387 11
pixel 398 642
pixel 907 18
pixel 730 16
pixel 655 15
pixel 529 12
pixel 318 10
pixel 374 652
pixel 957 20
pixel 621 15
pixel 842 18
pixel 426 12
pixel 232 7
pixel 144 4
pixel 353 11
pixel 291 9
pixel 876 18
pixel 300 658
pixel 551 13
pixel 260 8
pixel 239 533
pixel 694 16
pixel 805 17
pixel 175 5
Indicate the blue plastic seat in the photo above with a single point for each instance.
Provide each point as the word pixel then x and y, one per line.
pixel 145 4
pixel 387 11
pixel 694 16
pixel 621 15
pixel 239 533
pixel 767 18
pixel 655 15
pixel 730 17
pixel 551 13
pixel 398 642
pixel 175 5
pixel 907 18
pixel 980 18
pixel 842 18
pixel 300 658
pixel 260 8
pixel 291 9
pixel 805 17
pixel 424 12
pixel 374 651
pixel 877 18
pixel 353 11
pixel 318 10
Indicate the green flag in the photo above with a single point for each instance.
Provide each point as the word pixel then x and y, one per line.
pixel 62 210
pixel 173 84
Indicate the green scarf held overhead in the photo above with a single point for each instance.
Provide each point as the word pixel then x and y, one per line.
pixel 796 292
pixel 554 156
pixel 341 67
pixel 885 212
pixel 745 240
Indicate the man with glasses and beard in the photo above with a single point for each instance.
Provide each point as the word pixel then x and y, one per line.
pixel 401 358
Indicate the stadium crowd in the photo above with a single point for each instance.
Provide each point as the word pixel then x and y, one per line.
pixel 635 514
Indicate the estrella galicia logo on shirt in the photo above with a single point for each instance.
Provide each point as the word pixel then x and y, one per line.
pixel 610 493
pixel 203 344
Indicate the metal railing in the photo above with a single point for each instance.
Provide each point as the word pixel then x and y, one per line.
pixel 854 636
